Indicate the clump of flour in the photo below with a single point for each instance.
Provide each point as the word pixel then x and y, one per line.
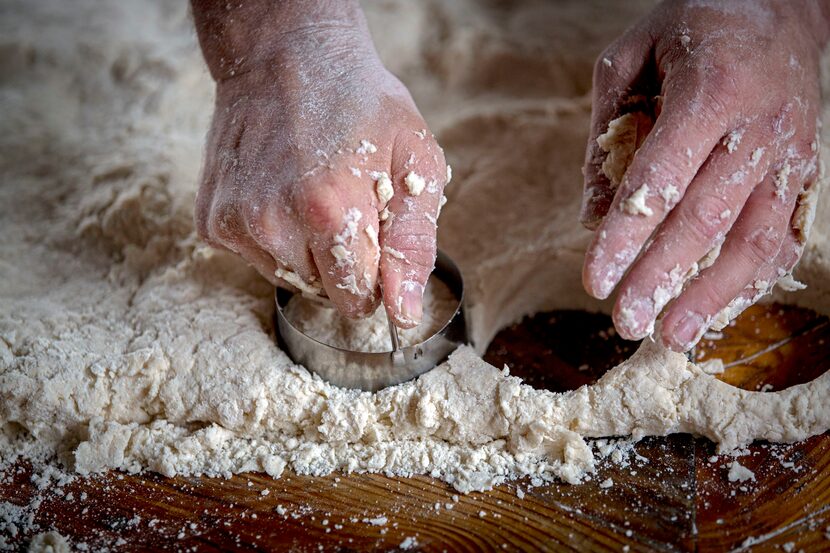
pixel 371 334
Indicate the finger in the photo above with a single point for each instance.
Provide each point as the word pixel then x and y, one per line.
pixel 408 235
pixel 616 73
pixel 276 235
pixel 777 272
pixel 665 165
pixel 780 270
pixel 754 242
pixel 224 227
pixel 694 227
pixel 342 216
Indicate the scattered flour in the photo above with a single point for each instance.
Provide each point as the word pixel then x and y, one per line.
pixel 739 473
pixel 409 543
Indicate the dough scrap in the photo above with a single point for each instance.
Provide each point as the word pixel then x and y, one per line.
pixel 621 141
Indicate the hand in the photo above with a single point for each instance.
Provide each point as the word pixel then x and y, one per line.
pixel 321 173
pixel 732 91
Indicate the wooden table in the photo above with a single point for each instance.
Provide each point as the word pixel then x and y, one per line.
pixel 676 497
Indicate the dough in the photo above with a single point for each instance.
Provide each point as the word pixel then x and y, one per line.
pixel 323 323
pixel 624 136
pixel 126 343
pixel 49 542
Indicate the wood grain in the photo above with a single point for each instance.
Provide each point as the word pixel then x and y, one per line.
pixel 674 497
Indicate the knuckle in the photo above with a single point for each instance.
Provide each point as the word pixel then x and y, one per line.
pixel 419 152
pixel 712 298
pixel 622 55
pixel 260 222
pixel 417 252
pixel 762 245
pixel 223 224
pixel 704 217
pixel 716 88
pixel 319 205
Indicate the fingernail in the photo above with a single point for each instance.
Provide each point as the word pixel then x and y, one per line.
pixel 688 331
pixel 411 302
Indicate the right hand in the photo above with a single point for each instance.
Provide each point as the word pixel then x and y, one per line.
pixel 291 171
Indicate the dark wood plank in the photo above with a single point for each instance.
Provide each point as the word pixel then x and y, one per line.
pixel 788 502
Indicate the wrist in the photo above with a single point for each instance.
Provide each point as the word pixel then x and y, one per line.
pixel 261 33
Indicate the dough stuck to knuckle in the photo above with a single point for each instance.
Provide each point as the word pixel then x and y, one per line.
pixel 415 183
pixel 312 288
pixel 805 211
pixel 635 204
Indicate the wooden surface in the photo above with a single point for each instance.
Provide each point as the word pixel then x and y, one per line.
pixel 675 496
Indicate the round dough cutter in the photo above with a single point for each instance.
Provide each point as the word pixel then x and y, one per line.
pixel 372 371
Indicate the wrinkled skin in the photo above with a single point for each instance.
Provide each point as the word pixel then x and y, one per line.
pixel 723 69
pixel 287 182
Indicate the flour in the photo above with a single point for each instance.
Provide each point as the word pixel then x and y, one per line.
pixel 739 473
pixel 323 323
pixel 126 343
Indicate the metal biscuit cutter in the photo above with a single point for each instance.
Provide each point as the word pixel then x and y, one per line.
pixel 372 371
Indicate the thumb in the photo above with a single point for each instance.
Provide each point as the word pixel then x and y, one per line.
pixel 409 225
pixel 616 74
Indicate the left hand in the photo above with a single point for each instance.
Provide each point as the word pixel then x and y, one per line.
pixel 732 150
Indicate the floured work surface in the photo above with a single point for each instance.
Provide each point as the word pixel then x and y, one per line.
pixel 664 493
pixel 127 344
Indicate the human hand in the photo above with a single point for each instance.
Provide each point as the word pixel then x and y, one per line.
pixel 321 173
pixel 732 91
